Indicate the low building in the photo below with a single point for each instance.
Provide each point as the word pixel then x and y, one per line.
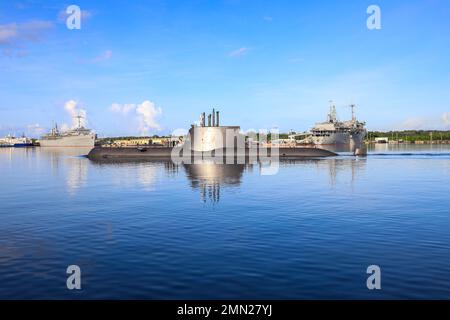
pixel 284 142
pixel 382 140
pixel 145 141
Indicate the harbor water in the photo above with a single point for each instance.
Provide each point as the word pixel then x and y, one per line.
pixel 156 230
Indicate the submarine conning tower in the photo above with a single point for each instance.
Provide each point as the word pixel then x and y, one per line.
pixel 207 137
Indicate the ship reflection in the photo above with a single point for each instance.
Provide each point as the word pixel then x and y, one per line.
pixel 207 177
pixel 68 162
pixel 210 177
pixel 338 170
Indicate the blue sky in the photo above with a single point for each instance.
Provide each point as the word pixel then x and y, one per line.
pixel 263 63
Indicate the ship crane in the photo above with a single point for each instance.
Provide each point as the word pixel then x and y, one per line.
pixel 354 121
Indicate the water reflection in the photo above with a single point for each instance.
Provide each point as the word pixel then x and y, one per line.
pixel 394 212
pixel 347 168
pixel 408 148
pixel 337 167
pixel 209 177
pixel 130 173
pixel 69 162
pixel 65 162
pixel 63 152
pixel 76 174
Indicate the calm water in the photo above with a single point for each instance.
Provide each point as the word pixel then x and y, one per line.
pixel 157 230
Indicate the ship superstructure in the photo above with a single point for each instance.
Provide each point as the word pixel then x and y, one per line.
pixel 77 137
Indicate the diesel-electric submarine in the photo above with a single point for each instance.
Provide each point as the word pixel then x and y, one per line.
pixel 225 144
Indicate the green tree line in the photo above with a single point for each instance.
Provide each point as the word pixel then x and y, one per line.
pixel 410 135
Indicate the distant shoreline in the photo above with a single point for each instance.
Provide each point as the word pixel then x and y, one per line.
pixel 410 136
pixel 392 137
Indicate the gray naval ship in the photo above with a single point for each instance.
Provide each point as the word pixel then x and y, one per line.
pixel 335 132
pixel 77 137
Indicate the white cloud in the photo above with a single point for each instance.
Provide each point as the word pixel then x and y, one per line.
pixel 115 107
pixel 74 110
pixel 14 36
pixel 425 123
pixel 239 52
pixel 145 113
pixel 148 112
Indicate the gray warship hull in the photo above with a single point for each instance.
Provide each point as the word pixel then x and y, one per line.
pixel 68 141
pixel 338 138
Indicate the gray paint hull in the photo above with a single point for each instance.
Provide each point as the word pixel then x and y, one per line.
pixel 69 141
pixel 99 153
pixel 340 138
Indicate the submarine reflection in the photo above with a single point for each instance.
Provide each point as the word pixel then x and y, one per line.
pixel 206 176
pixel 209 177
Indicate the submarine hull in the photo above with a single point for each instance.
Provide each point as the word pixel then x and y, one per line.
pixel 99 153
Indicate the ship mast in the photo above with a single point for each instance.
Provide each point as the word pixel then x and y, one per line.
pixel 332 116
pixel 352 106
pixel 79 117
